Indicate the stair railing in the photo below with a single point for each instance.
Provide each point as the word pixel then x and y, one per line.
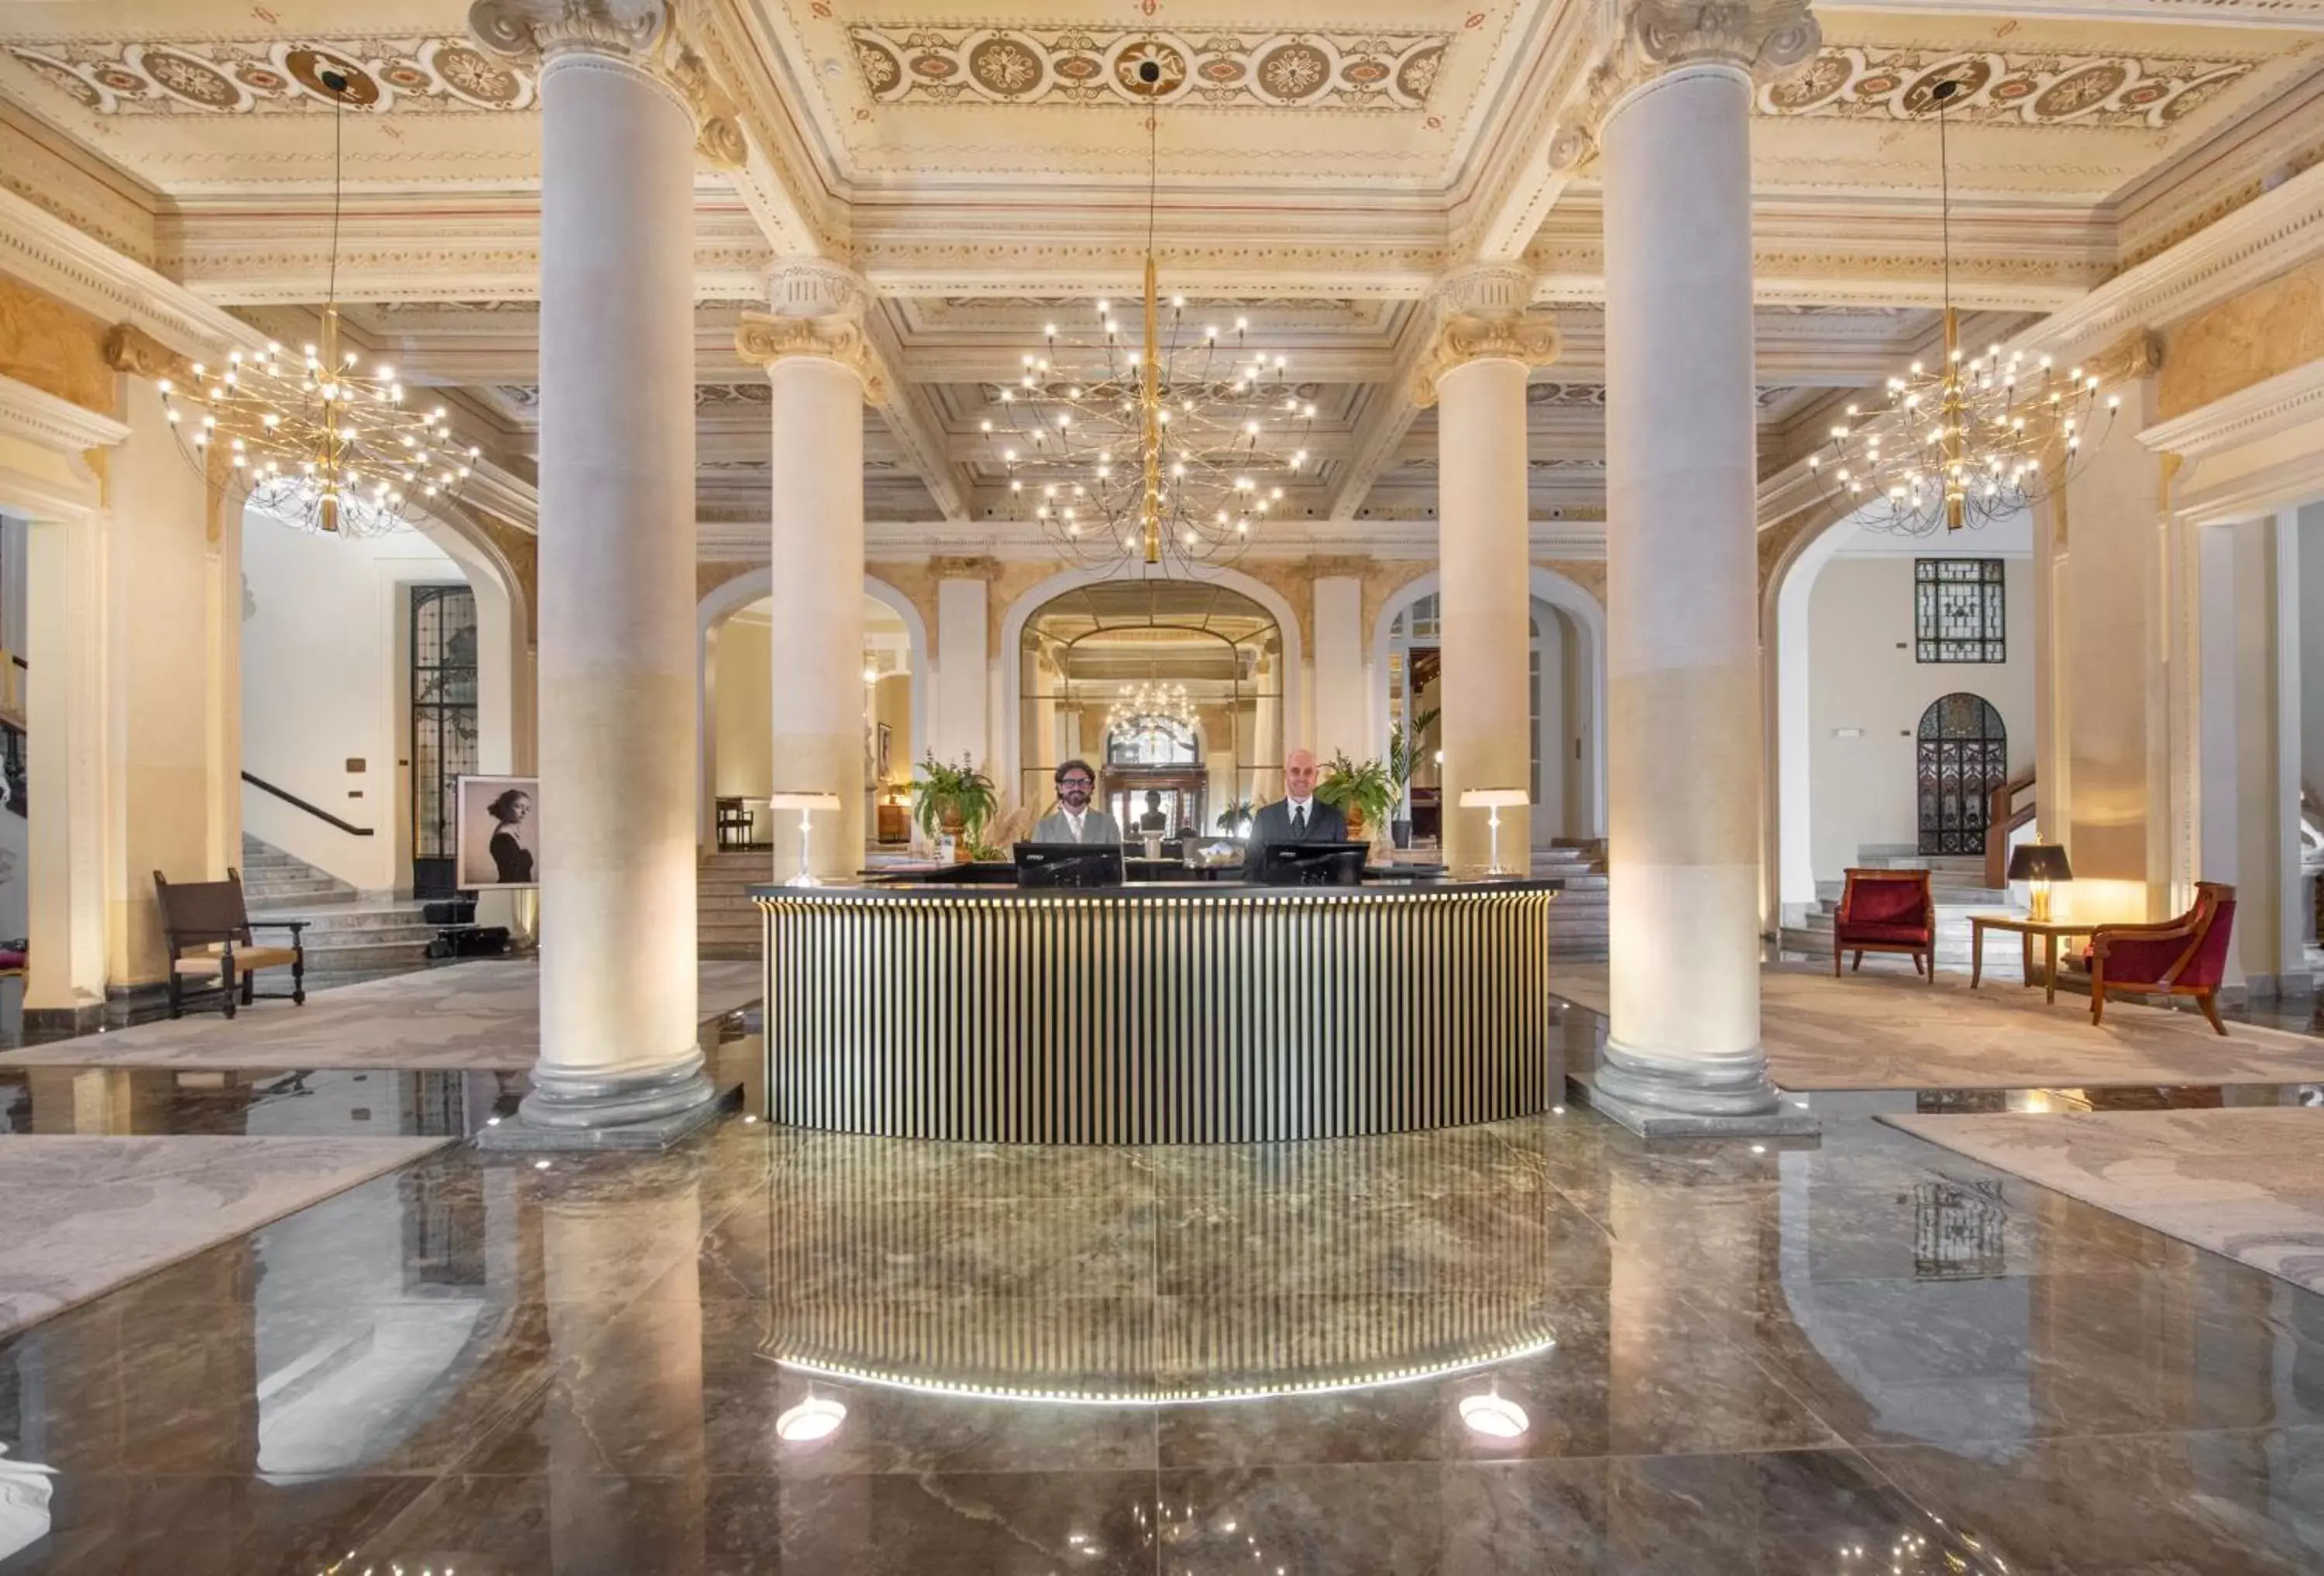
pixel 2004 816
pixel 294 801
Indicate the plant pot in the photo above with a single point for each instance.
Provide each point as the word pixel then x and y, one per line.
pixel 1400 834
pixel 1355 824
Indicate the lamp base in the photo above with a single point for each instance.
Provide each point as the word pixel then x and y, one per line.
pixel 2038 901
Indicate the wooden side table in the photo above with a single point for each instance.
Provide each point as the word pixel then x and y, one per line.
pixel 2049 930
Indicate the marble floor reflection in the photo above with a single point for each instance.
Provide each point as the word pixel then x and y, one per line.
pixel 1540 1347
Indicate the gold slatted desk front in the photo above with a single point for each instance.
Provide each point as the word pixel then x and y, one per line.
pixel 1202 1013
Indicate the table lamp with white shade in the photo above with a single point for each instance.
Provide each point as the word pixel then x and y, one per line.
pixel 806 805
pixel 1495 800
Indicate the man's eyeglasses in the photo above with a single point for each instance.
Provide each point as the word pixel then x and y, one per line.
pixel 1075 782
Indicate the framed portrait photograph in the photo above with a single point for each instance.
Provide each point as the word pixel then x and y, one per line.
pixel 499 842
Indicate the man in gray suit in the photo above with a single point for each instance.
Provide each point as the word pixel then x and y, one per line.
pixel 1298 819
pixel 1072 821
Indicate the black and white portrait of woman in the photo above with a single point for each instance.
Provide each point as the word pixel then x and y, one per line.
pixel 499 832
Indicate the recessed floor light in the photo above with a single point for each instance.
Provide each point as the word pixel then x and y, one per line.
pixel 1494 1415
pixel 816 1417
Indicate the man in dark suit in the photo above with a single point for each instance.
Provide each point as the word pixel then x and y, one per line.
pixel 1299 817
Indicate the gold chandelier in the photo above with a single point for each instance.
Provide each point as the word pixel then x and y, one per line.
pixel 313 440
pixel 1973 441
pixel 1151 707
pixel 1166 453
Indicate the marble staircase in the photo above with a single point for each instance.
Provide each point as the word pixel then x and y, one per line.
pixel 1577 920
pixel 726 924
pixel 352 938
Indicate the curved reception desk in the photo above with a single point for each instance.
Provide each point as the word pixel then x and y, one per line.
pixel 1162 1014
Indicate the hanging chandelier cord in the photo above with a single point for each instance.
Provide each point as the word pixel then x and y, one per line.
pixel 339 175
pixel 1944 93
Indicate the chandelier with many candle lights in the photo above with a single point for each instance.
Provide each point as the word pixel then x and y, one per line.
pixel 1972 440
pixel 1167 442
pixel 315 439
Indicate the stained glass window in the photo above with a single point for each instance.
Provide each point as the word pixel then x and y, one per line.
pixel 1958 610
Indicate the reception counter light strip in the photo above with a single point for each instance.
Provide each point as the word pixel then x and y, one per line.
pixel 1146 1018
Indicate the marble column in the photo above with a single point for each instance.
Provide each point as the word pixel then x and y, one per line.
pixel 1343 697
pixel 1683 665
pixel 619 1064
pixel 1486 344
pixel 964 661
pixel 818 365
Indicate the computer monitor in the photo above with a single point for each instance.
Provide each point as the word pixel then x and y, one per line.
pixel 1068 864
pixel 1313 864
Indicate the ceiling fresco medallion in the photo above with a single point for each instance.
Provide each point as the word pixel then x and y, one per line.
pixel 276 77
pixel 1273 70
pixel 1869 83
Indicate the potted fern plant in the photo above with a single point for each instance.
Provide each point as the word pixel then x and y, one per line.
pixel 1360 789
pixel 959 800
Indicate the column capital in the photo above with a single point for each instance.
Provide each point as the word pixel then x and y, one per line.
pixel 1338 565
pixel 981 566
pixel 1483 312
pixel 1768 39
pixel 628 29
pixel 641 34
pixel 817 310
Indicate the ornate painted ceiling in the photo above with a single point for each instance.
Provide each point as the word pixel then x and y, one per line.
pixel 1316 169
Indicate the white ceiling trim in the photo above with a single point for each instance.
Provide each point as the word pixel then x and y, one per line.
pixel 2275 232
pixel 50 255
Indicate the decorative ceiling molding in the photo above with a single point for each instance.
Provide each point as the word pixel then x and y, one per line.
pixel 428 75
pixel 1879 82
pixel 52 255
pixel 901 63
pixel 2277 231
pixel 2307 15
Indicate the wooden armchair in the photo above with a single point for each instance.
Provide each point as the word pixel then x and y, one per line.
pixel 209 920
pixel 1887 910
pixel 2186 956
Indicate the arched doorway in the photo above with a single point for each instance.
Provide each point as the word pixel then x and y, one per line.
pixel 1562 666
pixel 1962 756
pixel 738 647
pixel 1168 686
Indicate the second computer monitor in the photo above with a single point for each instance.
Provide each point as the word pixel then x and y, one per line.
pixel 1313 864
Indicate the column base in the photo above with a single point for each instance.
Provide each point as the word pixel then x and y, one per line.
pixel 568 1112
pixel 1654 1122
pixel 63 1023
pixel 1656 1098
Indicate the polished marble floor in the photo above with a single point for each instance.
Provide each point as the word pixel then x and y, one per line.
pixel 1866 1355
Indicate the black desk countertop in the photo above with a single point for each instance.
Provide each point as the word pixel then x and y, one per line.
pixel 1392 889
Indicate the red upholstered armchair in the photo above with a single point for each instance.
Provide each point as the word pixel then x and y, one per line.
pixel 2186 956
pixel 1887 910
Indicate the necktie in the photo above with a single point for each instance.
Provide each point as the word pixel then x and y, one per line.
pixel 1299 820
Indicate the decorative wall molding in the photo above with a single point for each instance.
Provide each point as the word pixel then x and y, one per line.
pixel 50 255
pixel 32 416
pixel 1879 82
pixel 2279 404
pixel 2277 231
pixel 1372 70
pixel 278 76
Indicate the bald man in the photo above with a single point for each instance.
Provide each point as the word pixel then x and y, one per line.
pixel 1298 818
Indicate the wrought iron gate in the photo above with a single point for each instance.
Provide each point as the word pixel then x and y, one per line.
pixel 1964 756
